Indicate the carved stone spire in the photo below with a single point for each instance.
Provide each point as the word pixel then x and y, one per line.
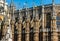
pixel 26 9
pixel 12 3
pixel 33 9
pixel 42 14
pixel 12 7
pixel 27 21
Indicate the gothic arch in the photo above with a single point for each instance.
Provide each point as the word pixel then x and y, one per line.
pixel 58 24
pixel 58 19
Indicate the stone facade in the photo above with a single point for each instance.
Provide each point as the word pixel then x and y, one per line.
pixel 40 23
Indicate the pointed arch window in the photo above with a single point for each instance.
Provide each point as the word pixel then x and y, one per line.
pixel 58 20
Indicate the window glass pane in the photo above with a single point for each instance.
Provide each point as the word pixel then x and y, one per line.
pixel 58 23
pixel 58 18
pixel 58 26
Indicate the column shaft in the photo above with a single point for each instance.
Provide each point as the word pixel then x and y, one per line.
pixel 43 24
pixel 12 26
pixel 19 31
pixel 27 30
pixel 54 34
pixel 4 29
pixel 36 30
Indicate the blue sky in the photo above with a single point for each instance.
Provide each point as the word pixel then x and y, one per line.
pixel 20 3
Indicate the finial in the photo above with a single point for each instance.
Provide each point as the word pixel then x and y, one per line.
pixel 42 2
pixel 34 4
pixel 4 0
pixel 11 1
pixel 52 1
pixel 25 4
